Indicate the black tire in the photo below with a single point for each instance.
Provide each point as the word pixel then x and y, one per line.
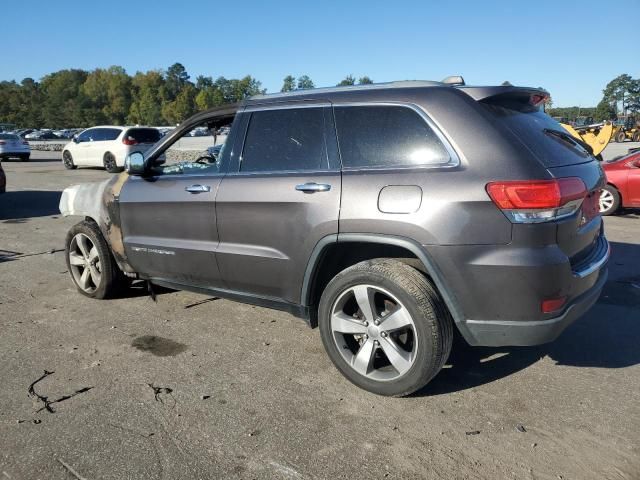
pixel 615 200
pixel 25 158
pixel 112 279
pixel 109 162
pixel 620 136
pixel 431 319
pixel 636 136
pixel 67 160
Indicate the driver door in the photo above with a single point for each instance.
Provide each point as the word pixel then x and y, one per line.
pixel 168 217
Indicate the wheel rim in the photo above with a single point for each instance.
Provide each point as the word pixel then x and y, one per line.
pixel 67 159
pixel 109 162
pixel 84 262
pixel 374 332
pixel 606 200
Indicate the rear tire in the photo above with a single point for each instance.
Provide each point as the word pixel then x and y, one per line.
pixel 636 136
pixel 91 263
pixel 609 200
pixel 417 336
pixel 620 137
pixel 25 158
pixel 67 160
pixel 109 161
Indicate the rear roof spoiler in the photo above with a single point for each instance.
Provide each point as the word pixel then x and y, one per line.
pixel 506 92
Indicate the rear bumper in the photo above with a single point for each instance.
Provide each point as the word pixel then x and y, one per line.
pixel 497 290
pixel 497 333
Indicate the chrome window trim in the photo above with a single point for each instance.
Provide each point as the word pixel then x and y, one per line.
pixel 454 158
pixel 286 106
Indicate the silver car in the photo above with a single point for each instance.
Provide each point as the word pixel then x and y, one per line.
pixel 12 146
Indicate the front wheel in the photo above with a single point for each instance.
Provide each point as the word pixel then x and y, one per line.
pixel 67 160
pixel 609 200
pixel 90 262
pixel 385 327
pixel 620 137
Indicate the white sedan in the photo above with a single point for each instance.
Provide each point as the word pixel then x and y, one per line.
pixel 107 146
pixel 12 146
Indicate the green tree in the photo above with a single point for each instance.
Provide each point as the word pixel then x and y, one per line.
pixel 65 104
pixel 365 81
pixel 616 91
pixel 604 111
pixel 348 80
pixel 182 107
pixel 203 82
pixel 109 93
pixel 288 84
pixel 304 82
pixel 146 106
pixel 176 79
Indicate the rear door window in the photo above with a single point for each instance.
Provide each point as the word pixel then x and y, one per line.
pixel 143 135
pixel 109 134
pixel 285 140
pixel 8 136
pixel 387 136
pixel 540 134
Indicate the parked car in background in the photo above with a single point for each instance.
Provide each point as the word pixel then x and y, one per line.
pixel 107 146
pixel 12 146
pixel 63 133
pixel 623 184
pixel 41 135
pixel 3 179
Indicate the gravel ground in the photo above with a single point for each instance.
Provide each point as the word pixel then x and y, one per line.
pixel 191 387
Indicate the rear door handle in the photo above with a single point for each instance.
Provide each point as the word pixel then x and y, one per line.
pixel 313 187
pixel 198 188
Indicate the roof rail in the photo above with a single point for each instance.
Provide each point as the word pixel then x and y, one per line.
pixel 351 88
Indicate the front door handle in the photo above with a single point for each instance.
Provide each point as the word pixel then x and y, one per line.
pixel 198 189
pixel 313 187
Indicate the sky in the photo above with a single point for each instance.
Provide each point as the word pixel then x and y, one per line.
pixel 570 48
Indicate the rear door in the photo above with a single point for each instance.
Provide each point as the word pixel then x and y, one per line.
pixel 280 198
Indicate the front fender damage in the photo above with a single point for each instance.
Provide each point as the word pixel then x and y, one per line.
pixel 99 201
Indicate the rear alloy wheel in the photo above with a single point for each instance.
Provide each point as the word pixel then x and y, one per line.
pixel 90 262
pixel 109 161
pixel 609 200
pixel 385 327
pixel 67 160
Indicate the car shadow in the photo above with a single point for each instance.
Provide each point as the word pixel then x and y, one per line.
pixel 608 336
pixel 17 206
pixel 53 158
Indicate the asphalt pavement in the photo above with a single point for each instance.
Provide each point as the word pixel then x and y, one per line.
pixel 194 387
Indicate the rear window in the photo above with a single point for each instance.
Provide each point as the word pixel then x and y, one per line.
pixel 542 135
pixel 386 136
pixel 8 136
pixel 144 135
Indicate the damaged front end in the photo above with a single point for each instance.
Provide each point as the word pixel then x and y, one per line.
pixel 99 202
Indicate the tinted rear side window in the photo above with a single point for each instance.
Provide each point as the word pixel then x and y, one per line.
pixel 284 140
pixel 535 130
pixel 109 134
pixel 386 136
pixel 144 135
pixel 8 136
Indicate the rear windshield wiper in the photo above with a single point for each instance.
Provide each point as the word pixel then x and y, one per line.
pixel 567 137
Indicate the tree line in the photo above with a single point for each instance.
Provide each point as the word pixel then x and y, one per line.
pixel 80 98
pixel 621 96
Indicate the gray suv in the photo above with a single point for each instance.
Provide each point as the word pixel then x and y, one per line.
pixel 387 215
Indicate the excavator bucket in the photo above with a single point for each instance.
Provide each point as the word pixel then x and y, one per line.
pixel 597 138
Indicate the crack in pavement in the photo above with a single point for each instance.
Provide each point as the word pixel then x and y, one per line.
pixel 45 399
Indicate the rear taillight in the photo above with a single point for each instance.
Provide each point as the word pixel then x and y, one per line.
pixel 24 142
pixel 129 141
pixel 2 142
pixel 537 201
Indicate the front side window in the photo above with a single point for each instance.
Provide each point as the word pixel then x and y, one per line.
pixel 197 152
pixel 285 140
pixel 87 135
pixel 387 136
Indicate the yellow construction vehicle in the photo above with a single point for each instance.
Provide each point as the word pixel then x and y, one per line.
pixel 596 136
pixel 627 127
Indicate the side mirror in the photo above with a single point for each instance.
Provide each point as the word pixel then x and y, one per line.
pixel 134 163
pixel 74 139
